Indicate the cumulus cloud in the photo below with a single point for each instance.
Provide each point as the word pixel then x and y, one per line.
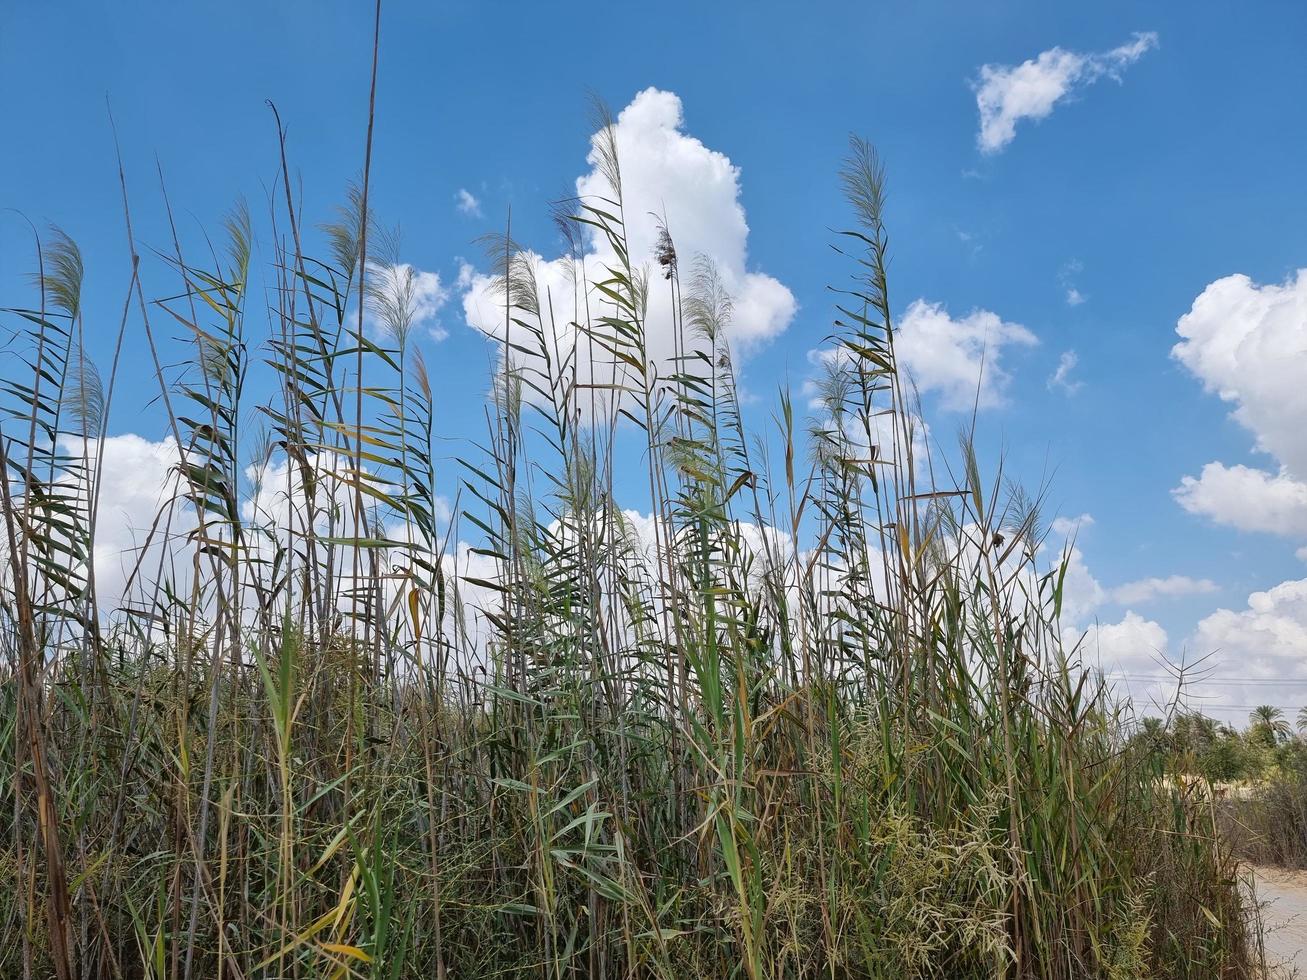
pixel 416 295
pixel 1082 594
pixel 668 173
pixel 1244 342
pixel 144 517
pixel 1129 644
pixel 137 476
pixel 467 203
pixel 274 496
pixel 1007 94
pixel 1265 641
pixel 1131 648
pixel 1246 498
pixel 1136 659
pixel 1066 527
pixel 958 359
pixel 1236 655
pixel 886 435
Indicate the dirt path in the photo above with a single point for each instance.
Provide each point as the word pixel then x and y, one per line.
pixel 1284 894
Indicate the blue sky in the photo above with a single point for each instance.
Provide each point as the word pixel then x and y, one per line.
pixel 1158 172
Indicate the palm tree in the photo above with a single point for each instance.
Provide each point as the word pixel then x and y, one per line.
pixel 1302 720
pixel 1270 719
pixel 1202 733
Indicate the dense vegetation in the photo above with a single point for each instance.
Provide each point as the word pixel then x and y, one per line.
pixel 1258 777
pixel 1196 745
pixel 816 718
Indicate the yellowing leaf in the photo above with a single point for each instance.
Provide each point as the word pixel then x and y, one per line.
pixel 344 950
pixel 413 611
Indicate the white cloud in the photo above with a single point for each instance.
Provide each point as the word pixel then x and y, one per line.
pixel 137 475
pixel 1067 276
pixel 1006 94
pixel 665 171
pixel 467 203
pixel 1246 498
pixel 1147 589
pixel 885 430
pixel 1082 593
pixel 144 517
pixel 1235 657
pixel 418 295
pixel 1135 657
pixel 1245 343
pixel 1267 640
pixel 959 359
pixel 1130 644
pixel 1061 378
pixel 1065 527
pixel 466 273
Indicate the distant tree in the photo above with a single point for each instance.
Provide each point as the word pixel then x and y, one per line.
pixel 1291 759
pixel 1302 720
pixel 1192 733
pixel 1268 723
pixel 1226 760
pixel 1265 714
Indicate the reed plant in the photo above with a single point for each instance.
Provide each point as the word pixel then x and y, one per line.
pixel 813 717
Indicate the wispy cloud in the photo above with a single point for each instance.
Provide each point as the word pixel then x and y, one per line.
pixel 1067 276
pixel 1061 377
pixel 1006 94
pixel 971 241
pixel 1173 586
pixel 467 203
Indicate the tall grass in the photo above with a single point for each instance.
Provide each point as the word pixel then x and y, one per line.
pixel 815 718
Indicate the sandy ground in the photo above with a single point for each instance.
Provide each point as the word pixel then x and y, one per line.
pixel 1284 898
